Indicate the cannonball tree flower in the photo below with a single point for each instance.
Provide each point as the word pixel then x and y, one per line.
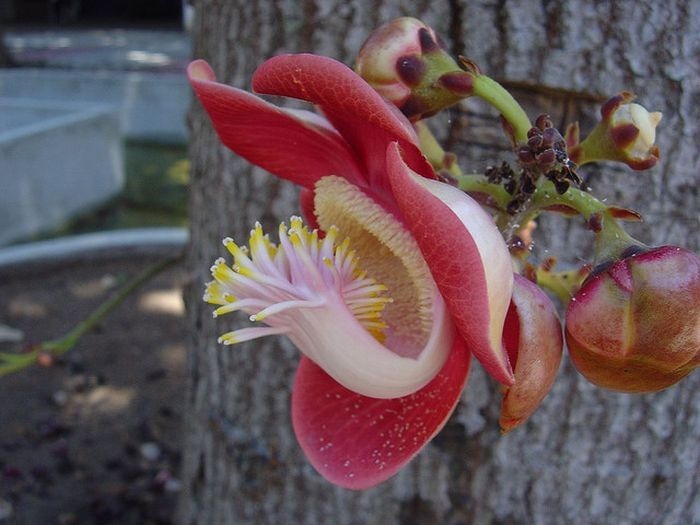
pixel 634 326
pixel 406 277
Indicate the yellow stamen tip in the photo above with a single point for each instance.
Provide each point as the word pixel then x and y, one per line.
pixel 245 272
pixel 262 263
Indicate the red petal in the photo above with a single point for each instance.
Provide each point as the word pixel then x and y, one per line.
pixel 363 117
pixel 306 205
pixel 293 148
pixel 532 335
pixel 478 306
pixel 356 441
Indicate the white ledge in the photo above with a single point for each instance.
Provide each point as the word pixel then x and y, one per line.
pixel 89 245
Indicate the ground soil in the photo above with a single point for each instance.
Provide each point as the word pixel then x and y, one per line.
pixel 95 437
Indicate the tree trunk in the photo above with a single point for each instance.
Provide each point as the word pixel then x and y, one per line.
pixel 588 455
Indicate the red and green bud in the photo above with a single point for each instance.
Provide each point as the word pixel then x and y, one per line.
pixel 406 62
pixel 626 134
pixel 533 340
pixel 634 326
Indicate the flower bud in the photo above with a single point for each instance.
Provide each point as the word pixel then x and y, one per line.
pixel 405 61
pixel 533 340
pixel 633 130
pixel 389 59
pixel 626 134
pixel 634 326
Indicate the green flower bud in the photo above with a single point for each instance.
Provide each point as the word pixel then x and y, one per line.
pixel 626 134
pixel 405 61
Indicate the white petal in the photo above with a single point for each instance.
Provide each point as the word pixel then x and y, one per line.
pixel 333 338
pixel 493 251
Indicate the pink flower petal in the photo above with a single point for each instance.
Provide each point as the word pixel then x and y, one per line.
pixel 356 441
pixel 358 112
pixel 291 145
pixel 467 258
pixel 532 335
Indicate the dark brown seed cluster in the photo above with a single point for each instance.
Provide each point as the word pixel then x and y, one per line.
pixel 502 174
pixel 544 154
pixel 517 186
pixel 543 143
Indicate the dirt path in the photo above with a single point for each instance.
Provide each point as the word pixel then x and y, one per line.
pixel 94 438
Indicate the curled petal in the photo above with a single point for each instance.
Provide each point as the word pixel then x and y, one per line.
pixel 356 441
pixel 356 110
pixel 332 337
pixel 467 258
pixel 297 146
pixel 312 290
pixel 337 89
pixel 533 338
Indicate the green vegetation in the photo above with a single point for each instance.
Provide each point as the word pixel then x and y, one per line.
pixel 155 193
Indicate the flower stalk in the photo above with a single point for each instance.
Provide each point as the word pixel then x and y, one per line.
pixel 48 350
pixel 500 98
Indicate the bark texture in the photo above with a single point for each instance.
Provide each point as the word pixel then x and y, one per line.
pixel 587 456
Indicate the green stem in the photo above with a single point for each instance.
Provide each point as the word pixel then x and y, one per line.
pixel 507 224
pixel 477 183
pixel 563 285
pixel 492 92
pixel 430 147
pixel 581 201
pixel 597 146
pixel 10 363
pixel 610 239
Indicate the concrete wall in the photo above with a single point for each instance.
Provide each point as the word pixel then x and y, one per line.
pixel 151 106
pixel 56 159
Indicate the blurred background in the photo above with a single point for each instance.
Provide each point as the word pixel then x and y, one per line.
pixel 105 79
pixel 93 191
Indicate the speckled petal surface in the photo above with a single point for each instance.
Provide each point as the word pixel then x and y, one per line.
pixel 356 441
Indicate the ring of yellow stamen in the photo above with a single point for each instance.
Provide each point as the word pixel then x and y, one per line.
pixel 385 333
pixel 268 280
pixel 390 252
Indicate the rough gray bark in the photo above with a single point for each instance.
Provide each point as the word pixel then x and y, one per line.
pixel 587 456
